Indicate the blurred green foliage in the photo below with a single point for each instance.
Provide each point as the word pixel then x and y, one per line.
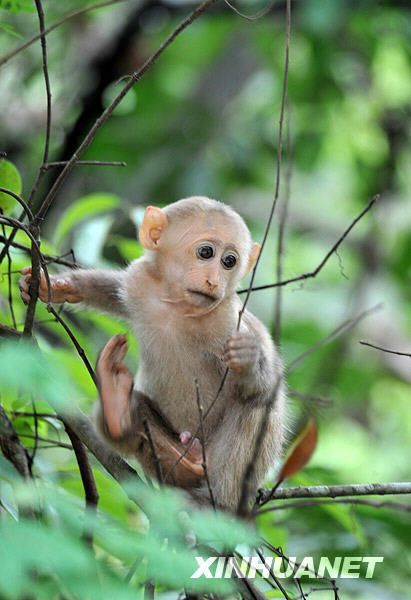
pixel 204 121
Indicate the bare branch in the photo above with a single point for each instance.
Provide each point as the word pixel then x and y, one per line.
pixel 242 508
pixel 40 14
pixel 262 13
pixel 76 344
pixel 314 398
pixel 336 491
pixel 344 327
pixel 386 349
pixel 87 477
pixel 316 271
pixel 111 460
pixel 20 200
pixel 11 446
pixel 203 441
pixel 81 163
pixel 281 234
pixel 279 156
pixel 106 114
pixel 9 332
pixel 54 25
pixel 275 578
pixel 353 501
pixel 154 455
pixel 58 260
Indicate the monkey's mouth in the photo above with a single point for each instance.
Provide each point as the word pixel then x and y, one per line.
pixel 203 297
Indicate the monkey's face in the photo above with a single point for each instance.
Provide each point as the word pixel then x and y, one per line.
pixel 200 256
pixel 205 261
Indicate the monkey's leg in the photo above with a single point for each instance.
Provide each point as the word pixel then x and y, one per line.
pixel 231 450
pixel 128 415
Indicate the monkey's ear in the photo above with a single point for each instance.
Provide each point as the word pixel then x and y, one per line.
pixel 255 251
pixel 153 225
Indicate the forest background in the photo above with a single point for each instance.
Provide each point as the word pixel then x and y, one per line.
pixel 204 120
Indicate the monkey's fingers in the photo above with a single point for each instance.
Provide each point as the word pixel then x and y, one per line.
pixel 241 341
pixel 24 284
pixel 195 448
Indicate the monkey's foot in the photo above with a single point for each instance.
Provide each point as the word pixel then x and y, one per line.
pixel 240 352
pixel 62 288
pixel 115 385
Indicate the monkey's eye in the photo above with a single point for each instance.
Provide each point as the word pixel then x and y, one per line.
pixel 229 261
pixel 205 252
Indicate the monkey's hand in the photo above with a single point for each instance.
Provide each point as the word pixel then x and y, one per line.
pixel 62 288
pixel 115 386
pixel 241 352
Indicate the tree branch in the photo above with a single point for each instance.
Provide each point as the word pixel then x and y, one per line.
pixel 11 446
pixel 106 114
pixel 353 501
pixel 385 349
pixel 316 271
pixel 335 491
pixel 87 477
pixel 75 13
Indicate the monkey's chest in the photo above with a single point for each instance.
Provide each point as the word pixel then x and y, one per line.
pixel 170 367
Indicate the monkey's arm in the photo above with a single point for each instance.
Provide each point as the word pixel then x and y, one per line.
pixel 251 356
pixel 98 288
pixel 127 419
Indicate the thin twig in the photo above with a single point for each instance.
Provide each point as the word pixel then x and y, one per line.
pixel 106 114
pixel 242 508
pixel 16 224
pixel 61 21
pixel 279 155
pixel 343 327
pixel 203 441
pixel 281 234
pixel 9 281
pixel 36 434
pixel 354 501
pixel 11 446
pixel 55 443
pixel 58 260
pixel 46 76
pixel 295 564
pixel 34 223
pixel 9 332
pixel 385 349
pixel 273 575
pixel 20 200
pixel 76 344
pixel 258 15
pixel 87 477
pixel 81 163
pixel 154 455
pixel 316 271
pixel 314 398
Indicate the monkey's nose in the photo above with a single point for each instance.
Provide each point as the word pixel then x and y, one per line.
pixel 211 284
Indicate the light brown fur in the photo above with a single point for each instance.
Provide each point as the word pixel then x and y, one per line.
pixel 185 335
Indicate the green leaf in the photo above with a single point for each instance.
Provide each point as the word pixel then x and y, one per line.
pixel 84 208
pixel 10 179
pixel 16 6
pixel 10 30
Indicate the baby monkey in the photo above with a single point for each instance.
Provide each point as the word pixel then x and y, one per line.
pixel 180 299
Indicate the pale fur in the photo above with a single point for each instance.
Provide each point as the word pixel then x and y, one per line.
pixel 176 347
